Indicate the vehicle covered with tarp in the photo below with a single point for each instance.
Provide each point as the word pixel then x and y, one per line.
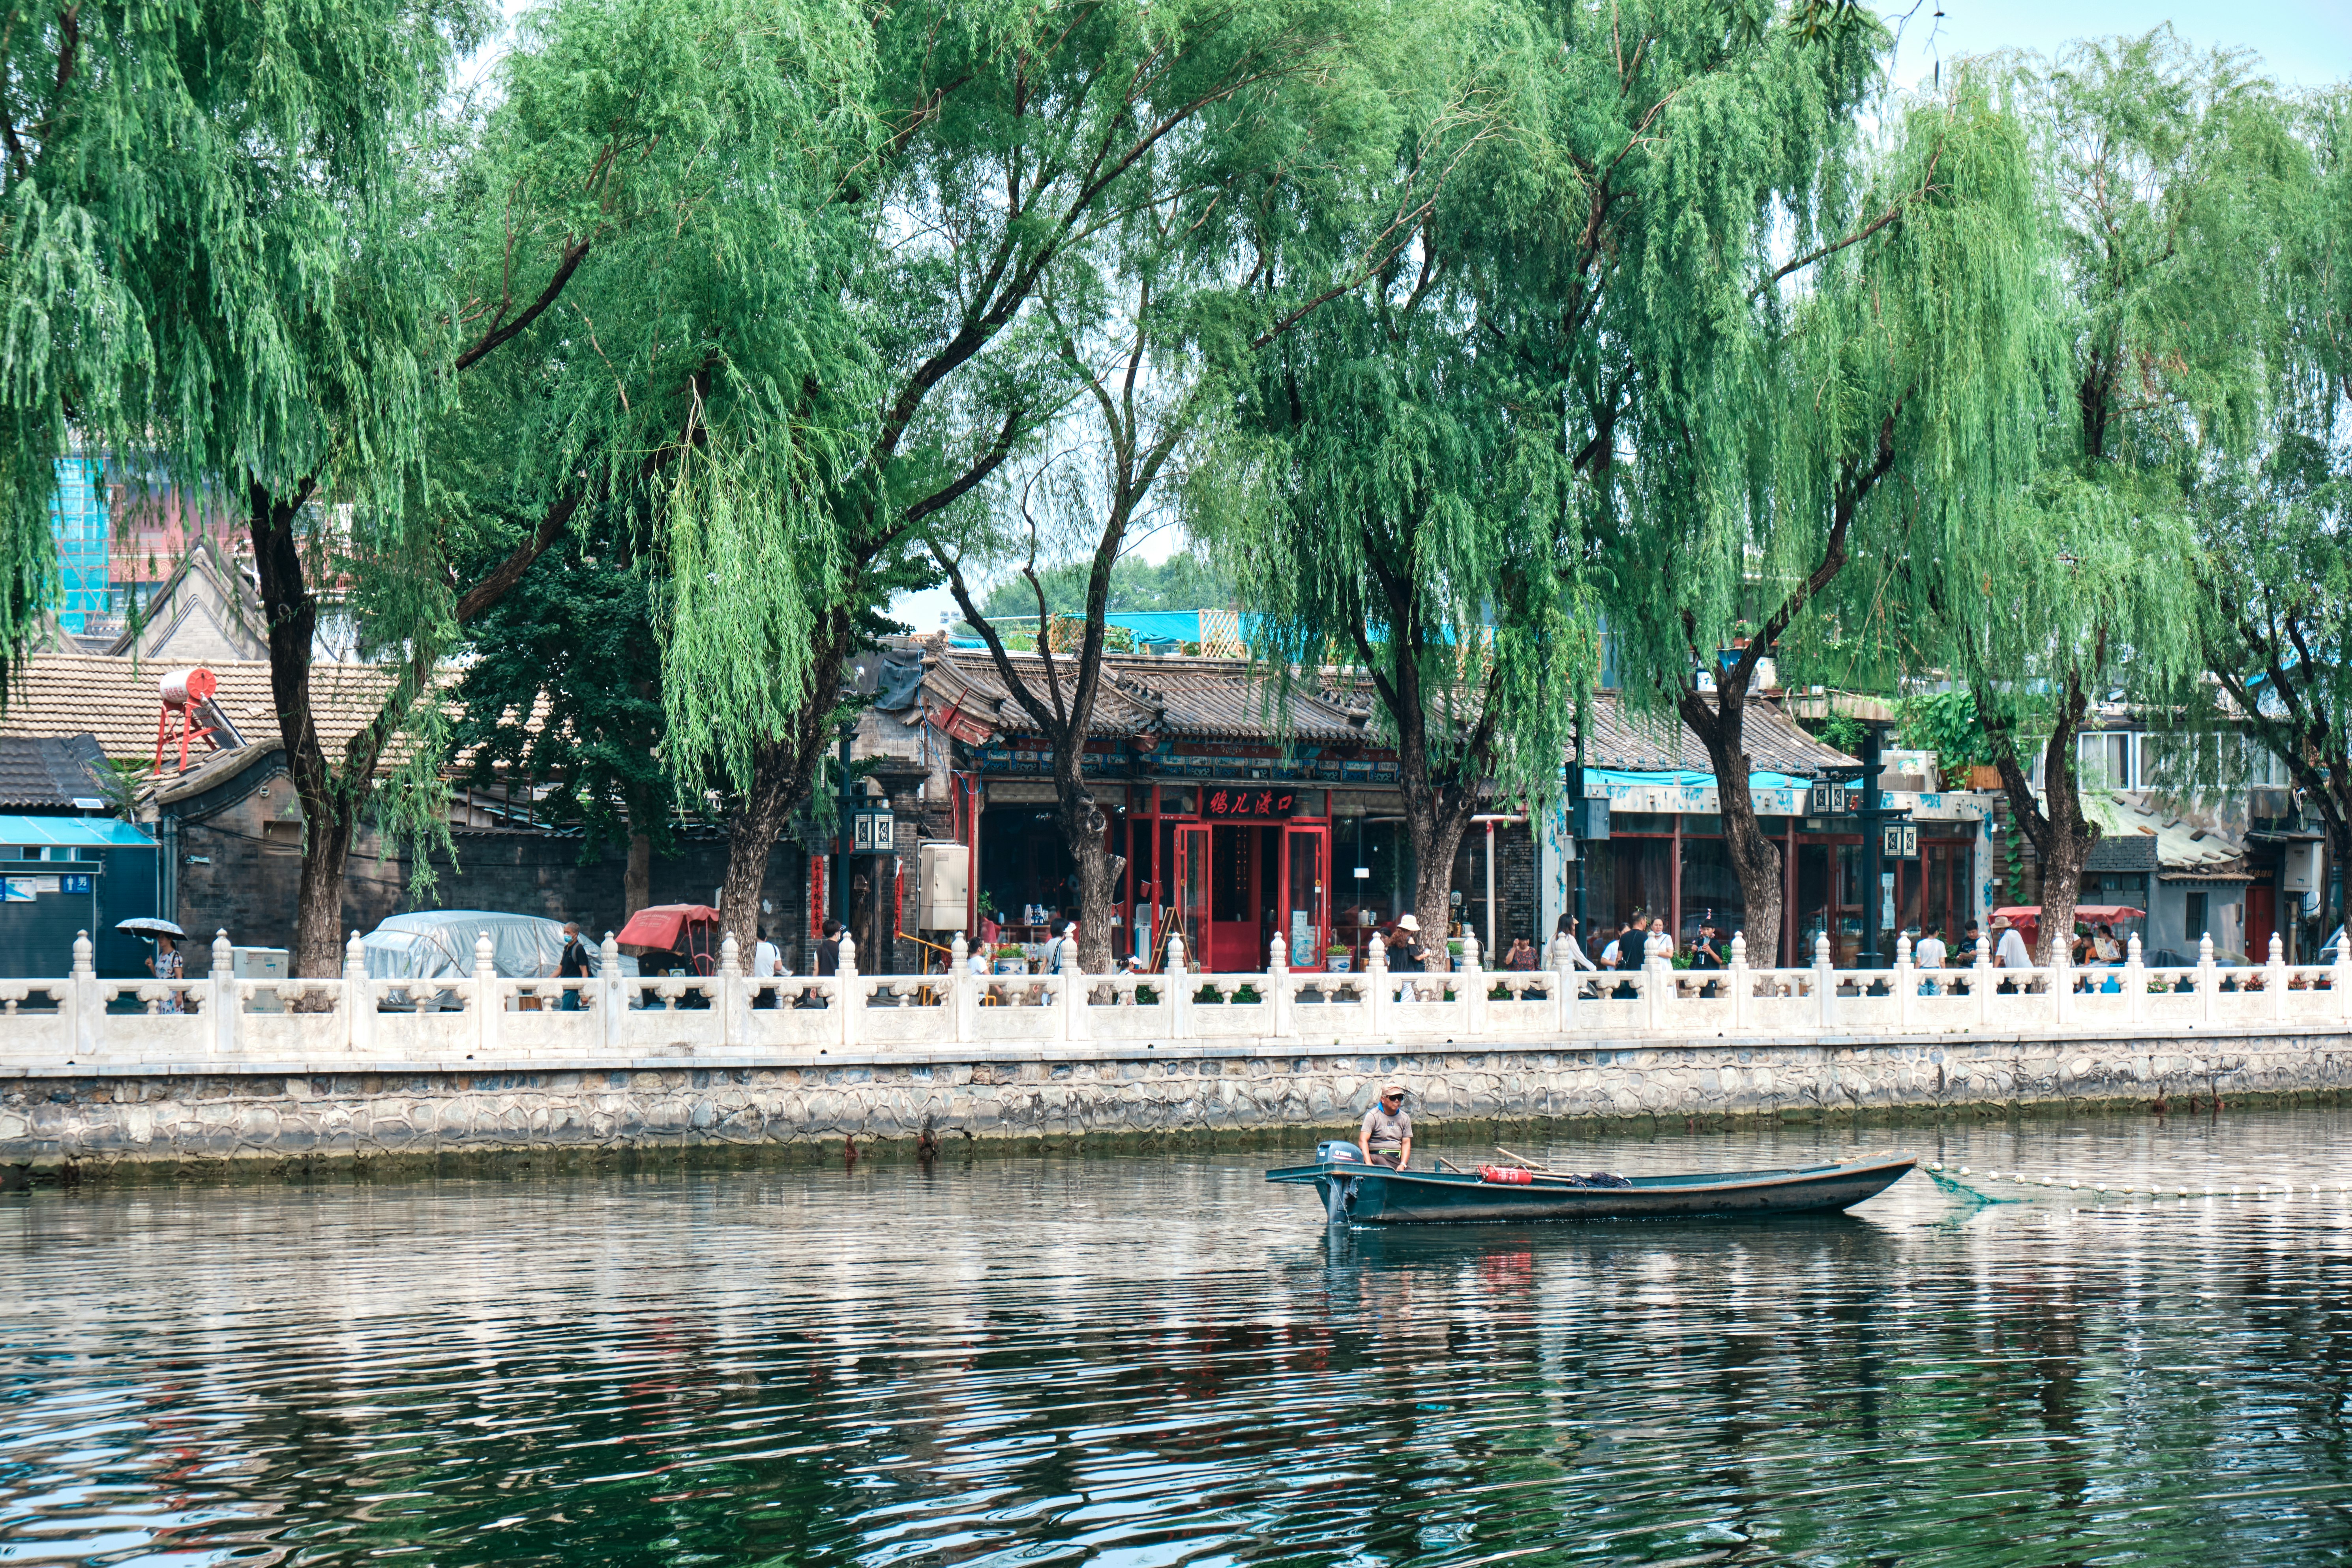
pixel 439 944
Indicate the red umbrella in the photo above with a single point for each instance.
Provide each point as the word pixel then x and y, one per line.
pixel 665 926
pixel 2031 914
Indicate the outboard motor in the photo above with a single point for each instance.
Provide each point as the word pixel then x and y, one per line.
pixel 1333 1150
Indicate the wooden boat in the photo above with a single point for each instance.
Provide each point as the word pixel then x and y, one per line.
pixel 1355 1193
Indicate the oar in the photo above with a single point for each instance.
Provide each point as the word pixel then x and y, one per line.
pixel 1530 1164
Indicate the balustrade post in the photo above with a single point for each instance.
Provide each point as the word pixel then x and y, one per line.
pixel 1824 982
pixel 85 1007
pixel 844 991
pixel 221 997
pixel 1077 1022
pixel 1740 983
pixel 1906 984
pixel 1179 994
pixel 610 1001
pixel 734 1006
pixel 1473 985
pixel 1376 970
pixel 1564 986
pixel 2064 976
pixel 964 996
pixel 359 1007
pixel 2208 983
pixel 2135 980
pixel 2343 980
pixel 489 1006
pixel 1278 981
pixel 1982 984
pixel 2274 977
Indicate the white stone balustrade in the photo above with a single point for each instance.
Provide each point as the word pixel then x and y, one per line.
pixel 81 1020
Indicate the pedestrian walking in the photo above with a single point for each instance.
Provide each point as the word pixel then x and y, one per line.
pixel 168 965
pixel 572 964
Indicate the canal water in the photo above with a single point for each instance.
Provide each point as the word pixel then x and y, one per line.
pixel 1158 1358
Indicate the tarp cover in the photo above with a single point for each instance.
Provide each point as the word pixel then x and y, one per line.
pixel 661 926
pixel 433 943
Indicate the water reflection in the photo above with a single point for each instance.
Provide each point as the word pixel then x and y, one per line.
pixel 1158 1360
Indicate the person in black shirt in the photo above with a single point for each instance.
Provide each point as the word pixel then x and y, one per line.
pixel 1705 953
pixel 828 950
pixel 572 966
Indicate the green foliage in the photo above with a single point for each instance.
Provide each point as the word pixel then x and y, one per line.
pixel 1845 732
pixel 1189 580
pixel 201 252
pixel 563 690
pixel 2163 166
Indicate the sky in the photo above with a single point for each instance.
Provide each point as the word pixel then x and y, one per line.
pixel 2302 44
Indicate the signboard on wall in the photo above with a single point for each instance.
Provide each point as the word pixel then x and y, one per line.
pixel 1232 804
pixel 16 890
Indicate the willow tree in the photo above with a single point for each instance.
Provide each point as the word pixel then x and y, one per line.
pixel 1414 536
pixel 1010 137
pixel 2166 172
pixel 1848 403
pixel 499 322
pixel 2274 561
pixel 1230 244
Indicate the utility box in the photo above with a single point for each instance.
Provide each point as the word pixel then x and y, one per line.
pixel 262 964
pixel 2300 868
pixel 943 884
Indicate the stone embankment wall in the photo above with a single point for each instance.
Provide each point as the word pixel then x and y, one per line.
pixel 83 1123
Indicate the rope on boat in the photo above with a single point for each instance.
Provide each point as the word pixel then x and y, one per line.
pixel 2037 1185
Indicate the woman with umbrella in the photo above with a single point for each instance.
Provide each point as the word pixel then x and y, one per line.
pixel 167 965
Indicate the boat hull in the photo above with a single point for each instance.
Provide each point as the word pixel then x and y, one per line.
pixel 1371 1194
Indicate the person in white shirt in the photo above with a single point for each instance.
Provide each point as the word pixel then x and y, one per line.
pixel 1576 958
pixel 767 963
pixel 2008 952
pixel 1929 954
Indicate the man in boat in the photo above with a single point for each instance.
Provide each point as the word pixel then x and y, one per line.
pixel 1386 1136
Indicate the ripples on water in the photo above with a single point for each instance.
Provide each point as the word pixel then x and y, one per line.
pixel 1161 1359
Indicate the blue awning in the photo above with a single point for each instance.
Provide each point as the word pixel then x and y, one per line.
pixel 79 832
pixel 1687 778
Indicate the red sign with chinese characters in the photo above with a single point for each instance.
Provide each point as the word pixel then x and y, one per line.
pixel 1231 803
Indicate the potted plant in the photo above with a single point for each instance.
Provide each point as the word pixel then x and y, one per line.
pixel 1337 959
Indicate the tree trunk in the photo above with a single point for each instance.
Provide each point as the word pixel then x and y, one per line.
pixel 1436 821
pixel 755 821
pixel 783 770
pixel 1083 827
pixel 1754 859
pixel 2061 834
pixel 330 806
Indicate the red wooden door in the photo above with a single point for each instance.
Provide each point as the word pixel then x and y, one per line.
pixel 2262 921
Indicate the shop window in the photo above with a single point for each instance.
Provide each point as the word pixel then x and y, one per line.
pixel 1711 894
pixel 2196 919
pixel 1628 878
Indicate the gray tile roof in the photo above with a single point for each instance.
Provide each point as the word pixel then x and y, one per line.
pixel 49 772
pixel 1231 698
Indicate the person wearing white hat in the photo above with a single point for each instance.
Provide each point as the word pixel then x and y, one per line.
pixel 1406 954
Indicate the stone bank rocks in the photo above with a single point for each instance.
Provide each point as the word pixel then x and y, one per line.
pixel 89 1120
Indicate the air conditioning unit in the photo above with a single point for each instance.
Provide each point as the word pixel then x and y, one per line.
pixel 2302 868
pixel 944 885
